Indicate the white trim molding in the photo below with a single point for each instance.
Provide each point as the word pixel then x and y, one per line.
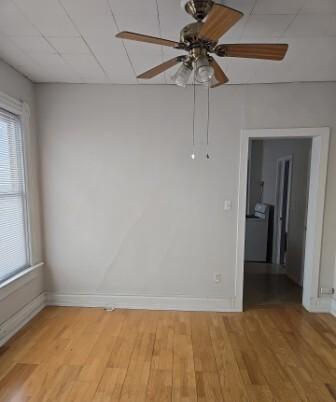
pixel 333 306
pixel 16 282
pixel 11 104
pixel 320 305
pixel 318 175
pixel 11 326
pixel 142 302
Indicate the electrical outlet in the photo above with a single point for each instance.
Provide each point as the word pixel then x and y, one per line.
pixel 227 205
pixel 327 291
pixel 217 277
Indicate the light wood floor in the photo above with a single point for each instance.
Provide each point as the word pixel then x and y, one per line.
pixel 71 354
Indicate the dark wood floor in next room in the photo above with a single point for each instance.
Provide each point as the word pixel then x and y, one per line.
pixel 81 354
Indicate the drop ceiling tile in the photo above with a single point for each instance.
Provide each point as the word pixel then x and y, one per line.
pixel 84 9
pixel 68 44
pixel 112 56
pixel 172 18
pixel 32 44
pixel 312 25
pixel 51 67
pixel 262 40
pixel 85 65
pixel 147 25
pixel 245 6
pixel 139 17
pixel 266 25
pixel 12 54
pixel 39 74
pixel 278 6
pixel 48 16
pixel 319 7
pixel 51 62
pixel 241 70
pixel 91 17
pixel 313 60
pixel 135 8
pixel 13 22
pixel 145 56
pixel 98 26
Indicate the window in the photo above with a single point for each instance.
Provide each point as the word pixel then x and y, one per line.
pixel 14 254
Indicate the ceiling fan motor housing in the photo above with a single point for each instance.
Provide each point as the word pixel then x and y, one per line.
pixel 189 36
pixel 199 9
pixel 189 33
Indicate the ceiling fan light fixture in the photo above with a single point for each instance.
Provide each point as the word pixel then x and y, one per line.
pixel 204 71
pixel 182 75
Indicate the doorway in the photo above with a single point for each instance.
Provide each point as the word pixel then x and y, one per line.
pixel 314 216
pixel 274 239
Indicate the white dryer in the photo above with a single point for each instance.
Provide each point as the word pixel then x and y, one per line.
pixel 256 237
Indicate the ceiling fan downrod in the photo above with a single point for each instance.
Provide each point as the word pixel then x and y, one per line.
pixel 198 9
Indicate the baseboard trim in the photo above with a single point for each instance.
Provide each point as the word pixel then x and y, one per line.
pixel 319 305
pixel 11 326
pixel 333 307
pixel 142 302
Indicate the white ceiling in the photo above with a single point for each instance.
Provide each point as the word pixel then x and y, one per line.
pixel 74 40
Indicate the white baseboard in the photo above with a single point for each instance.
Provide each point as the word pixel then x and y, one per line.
pixel 319 305
pixel 142 302
pixel 18 320
pixel 333 306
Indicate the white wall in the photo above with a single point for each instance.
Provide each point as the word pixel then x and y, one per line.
pixel 14 84
pixel 126 211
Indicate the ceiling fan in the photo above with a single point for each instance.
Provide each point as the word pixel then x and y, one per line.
pixel 200 39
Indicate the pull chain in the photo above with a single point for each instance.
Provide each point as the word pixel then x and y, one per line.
pixel 207 129
pixel 193 156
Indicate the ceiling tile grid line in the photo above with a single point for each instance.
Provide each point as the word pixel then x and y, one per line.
pixel 298 12
pixel 44 38
pixel 122 41
pixel 160 35
pixel 91 51
pixel 13 41
pixel 11 46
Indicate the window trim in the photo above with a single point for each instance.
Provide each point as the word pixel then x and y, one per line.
pixel 22 111
pixel 18 280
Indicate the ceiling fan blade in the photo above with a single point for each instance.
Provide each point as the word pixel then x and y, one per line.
pixel 220 77
pixel 146 38
pixel 219 20
pixel 160 68
pixel 253 51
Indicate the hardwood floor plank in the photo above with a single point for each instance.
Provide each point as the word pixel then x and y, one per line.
pixel 160 386
pixel 230 377
pixel 12 385
pixel 91 355
pixel 109 388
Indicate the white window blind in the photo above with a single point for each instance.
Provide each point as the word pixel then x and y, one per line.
pixel 14 255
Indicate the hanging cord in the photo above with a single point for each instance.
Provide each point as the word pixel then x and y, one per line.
pixel 208 120
pixel 193 129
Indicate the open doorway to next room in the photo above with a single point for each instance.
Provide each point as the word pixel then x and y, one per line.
pixel 277 200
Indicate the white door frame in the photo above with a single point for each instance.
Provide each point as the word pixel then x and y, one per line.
pixel 278 202
pixel 317 185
